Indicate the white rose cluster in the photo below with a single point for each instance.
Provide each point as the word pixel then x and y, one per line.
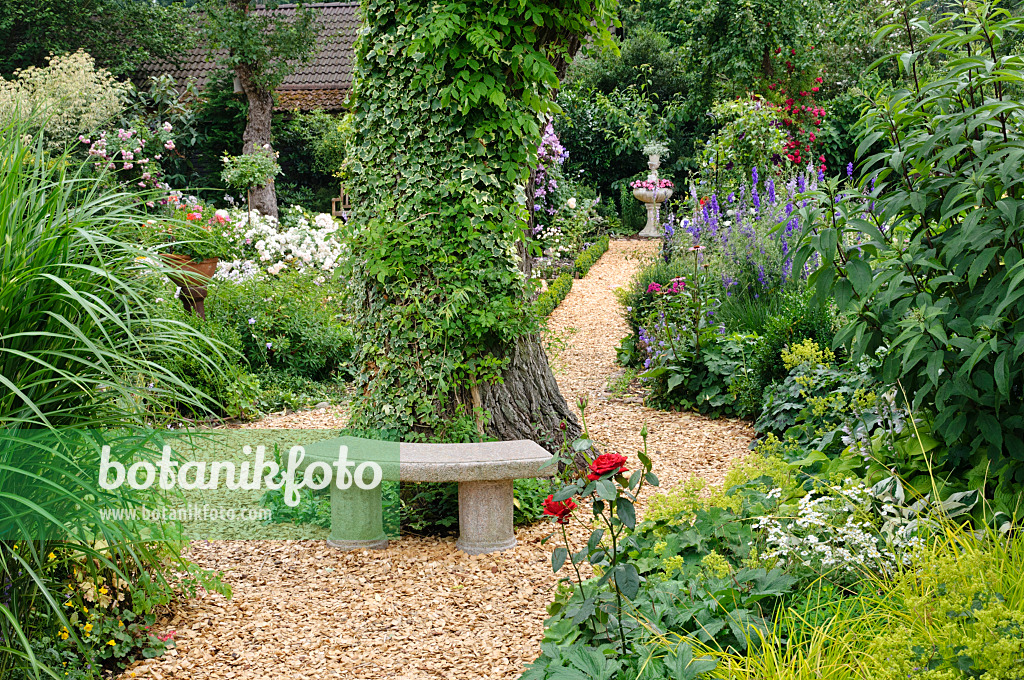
pixel 302 242
pixel 237 271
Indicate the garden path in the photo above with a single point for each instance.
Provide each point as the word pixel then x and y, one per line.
pixel 588 326
pixel 421 609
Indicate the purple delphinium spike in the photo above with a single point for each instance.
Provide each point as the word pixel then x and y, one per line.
pixel 821 175
pixel 770 183
pixel 755 199
pixel 693 229
pixel 801 183
pixel 849 170
pixel 753 174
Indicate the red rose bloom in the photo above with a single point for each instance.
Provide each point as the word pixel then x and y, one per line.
pixel 605 463
pixel 559 509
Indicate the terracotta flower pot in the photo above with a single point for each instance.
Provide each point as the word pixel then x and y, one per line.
pixel 191 278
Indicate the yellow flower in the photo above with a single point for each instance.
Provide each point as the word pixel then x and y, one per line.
pixel 87 628
pixel 120 624
pixel 85 609
pixel 103 590
pixel 51 556
pixel 111 643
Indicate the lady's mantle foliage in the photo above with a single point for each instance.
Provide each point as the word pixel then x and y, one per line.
pixel 450 96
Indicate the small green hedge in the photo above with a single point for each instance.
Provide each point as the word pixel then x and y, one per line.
pixel 586 259
pixel 550 299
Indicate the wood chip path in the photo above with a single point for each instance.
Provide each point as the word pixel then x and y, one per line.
pixel 422 609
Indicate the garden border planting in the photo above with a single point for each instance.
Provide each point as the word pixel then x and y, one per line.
pixel 586 259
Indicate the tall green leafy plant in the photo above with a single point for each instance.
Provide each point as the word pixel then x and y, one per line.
pixel 927 257
pixel 80 347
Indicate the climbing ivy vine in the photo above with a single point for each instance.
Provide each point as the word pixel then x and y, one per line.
pixel 450 97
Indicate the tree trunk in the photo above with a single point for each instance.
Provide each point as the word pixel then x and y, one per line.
pixel 528 404
pixel 257 135
pixel 418 369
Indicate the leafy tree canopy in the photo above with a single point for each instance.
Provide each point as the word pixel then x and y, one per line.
pixel 119 34
pixel 270 45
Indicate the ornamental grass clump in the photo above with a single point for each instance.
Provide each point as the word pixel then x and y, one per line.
pixel 82 345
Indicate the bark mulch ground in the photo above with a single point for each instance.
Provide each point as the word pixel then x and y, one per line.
pixel 422 609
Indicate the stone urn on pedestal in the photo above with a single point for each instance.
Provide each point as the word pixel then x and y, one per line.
pixel 652 192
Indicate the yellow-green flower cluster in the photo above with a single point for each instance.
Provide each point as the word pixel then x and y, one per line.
pixel 806 352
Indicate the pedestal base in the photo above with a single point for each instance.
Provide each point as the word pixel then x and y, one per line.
pixel 653 228
pixel 485 517
pixel 193 299
pixel 357 519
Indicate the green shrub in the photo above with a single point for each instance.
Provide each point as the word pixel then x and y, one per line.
pixel 586 259
pixel 280 389
pixel 529 499
pixel 925 256
pixel 708 384
pixel 231 391
pixel 637 303
pixel 549 300
pixel 801 319
pixel 816 400
pixel 634 214
pixel 290 323
pixel 312 147
pixel 751 134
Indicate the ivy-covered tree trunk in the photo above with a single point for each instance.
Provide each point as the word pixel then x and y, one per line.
pixel 257 135
pixel 449 103
pixel 527 403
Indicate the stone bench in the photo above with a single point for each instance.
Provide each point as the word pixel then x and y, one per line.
pixel 484 471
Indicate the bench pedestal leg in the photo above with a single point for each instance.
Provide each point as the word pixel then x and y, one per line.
pixel 485 517
pixel 357 519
